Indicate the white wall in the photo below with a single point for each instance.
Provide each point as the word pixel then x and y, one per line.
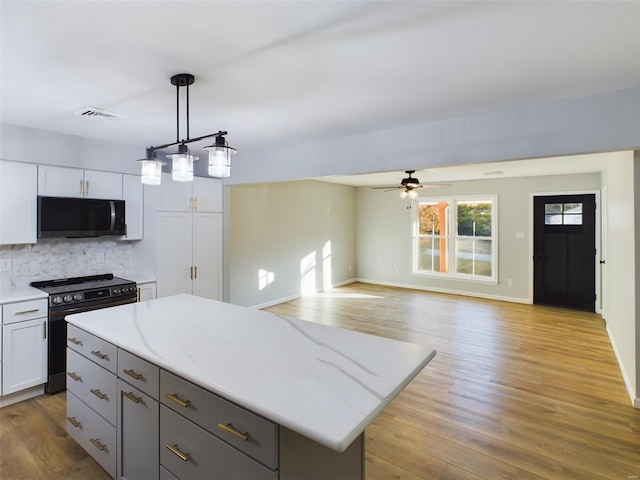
pixel 383 233
pixel 601 123
pixel 621 265
pixel 38 146
pixel 288 239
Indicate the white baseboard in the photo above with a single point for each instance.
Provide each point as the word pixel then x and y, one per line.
pixel 635 401
pixel 20 396
pixel 271 303
pixel 446 290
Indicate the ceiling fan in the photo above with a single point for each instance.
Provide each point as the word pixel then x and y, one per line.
pixel 409 185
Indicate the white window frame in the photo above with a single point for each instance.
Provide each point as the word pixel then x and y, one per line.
pixel 451 236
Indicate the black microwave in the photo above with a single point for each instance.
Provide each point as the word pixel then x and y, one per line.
pixel 79 217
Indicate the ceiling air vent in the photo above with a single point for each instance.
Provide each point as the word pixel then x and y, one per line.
pixel 93 112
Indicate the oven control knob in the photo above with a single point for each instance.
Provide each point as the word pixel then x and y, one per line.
pixel 77 297
pixel 116 291
pixel 57 300
pixel 67 298
pixel 132 289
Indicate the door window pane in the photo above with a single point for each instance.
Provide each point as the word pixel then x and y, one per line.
pixel 572 207
pixel 553 219
pixel 573 219
pixel 553 208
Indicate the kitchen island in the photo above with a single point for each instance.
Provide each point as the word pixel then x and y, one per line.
pixel 270 396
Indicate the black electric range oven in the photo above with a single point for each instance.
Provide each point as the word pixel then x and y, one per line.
pixel 77 295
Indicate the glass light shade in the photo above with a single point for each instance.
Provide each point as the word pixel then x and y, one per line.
pixel 403 194
pixel 151 171
pixel 413 194
pixel 182 166
pixel 220 158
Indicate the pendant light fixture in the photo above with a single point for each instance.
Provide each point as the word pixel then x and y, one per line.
pixel 182 160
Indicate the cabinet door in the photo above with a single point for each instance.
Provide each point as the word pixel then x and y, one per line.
pixel 139 432
pixel 174 249
pixel 175 196
pixel 60 181
pixel 105 185
pixel 18 202
pixel 207 194
pixel 146 291
pixel 207 255
pixel 133 195
pixel 24 350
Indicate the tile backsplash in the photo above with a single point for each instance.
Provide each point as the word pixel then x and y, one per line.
pixel 61 258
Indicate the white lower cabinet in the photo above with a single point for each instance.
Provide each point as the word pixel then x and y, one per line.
pixel 146 291
pixel 24 345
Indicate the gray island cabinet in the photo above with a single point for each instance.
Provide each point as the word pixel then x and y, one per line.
pixel 188 388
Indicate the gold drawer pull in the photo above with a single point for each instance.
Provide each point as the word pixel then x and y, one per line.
pixel 98 445
pixel 99 354
pixel 131 396
pixel 74 340
pixel 229 429
pixel 132 373
pixel 174 449
pixel 74 422
pixel 175 398
pixel 23 312
pixel 98 393
pixel 73 375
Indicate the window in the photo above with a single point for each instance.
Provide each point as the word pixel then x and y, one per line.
pixel 563 214
pixel 455 237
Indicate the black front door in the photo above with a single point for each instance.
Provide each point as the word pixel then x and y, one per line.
pixel 564 271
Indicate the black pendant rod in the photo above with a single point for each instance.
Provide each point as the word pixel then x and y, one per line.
pixel 182 80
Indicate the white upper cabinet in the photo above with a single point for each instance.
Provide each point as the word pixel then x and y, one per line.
pixel 201 195
pixel 18 202
pixel 133 195
pixel 54 181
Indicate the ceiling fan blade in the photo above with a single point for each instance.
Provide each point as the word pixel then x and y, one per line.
pixel 436 185
pixel 387 187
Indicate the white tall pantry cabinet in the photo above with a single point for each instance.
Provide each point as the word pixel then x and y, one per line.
pixel 189 238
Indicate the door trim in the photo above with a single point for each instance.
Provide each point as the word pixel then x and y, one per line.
pixel 598 256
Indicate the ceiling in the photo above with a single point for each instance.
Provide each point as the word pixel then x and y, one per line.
pixel 299 71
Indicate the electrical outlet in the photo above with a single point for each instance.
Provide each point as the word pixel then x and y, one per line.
pixel 5 264
pixel 510 282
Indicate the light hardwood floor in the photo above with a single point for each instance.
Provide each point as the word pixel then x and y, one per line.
pixel 515 392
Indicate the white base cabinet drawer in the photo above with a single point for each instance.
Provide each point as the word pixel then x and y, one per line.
pixel 191 453
pixel 94 385
pixel 92 432
pixel 101 352
pixel 20 311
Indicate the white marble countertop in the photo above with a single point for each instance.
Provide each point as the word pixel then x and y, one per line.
pixel 323 382
pixel 139 277
pixel 20 294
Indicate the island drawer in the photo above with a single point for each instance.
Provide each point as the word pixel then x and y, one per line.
pixel 17 312
pixel 250 433
pixel 92 432
pixel 138 372
pixel 94 385
pixel 190 452
pixel 101 352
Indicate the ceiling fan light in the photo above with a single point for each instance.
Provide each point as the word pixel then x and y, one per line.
pixel 413 194
pixel 403 194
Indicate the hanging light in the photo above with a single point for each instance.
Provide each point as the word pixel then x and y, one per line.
pixel 182 164
pixel 409 192
pixel 182 161
pixel 151 171
pixel 220 157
